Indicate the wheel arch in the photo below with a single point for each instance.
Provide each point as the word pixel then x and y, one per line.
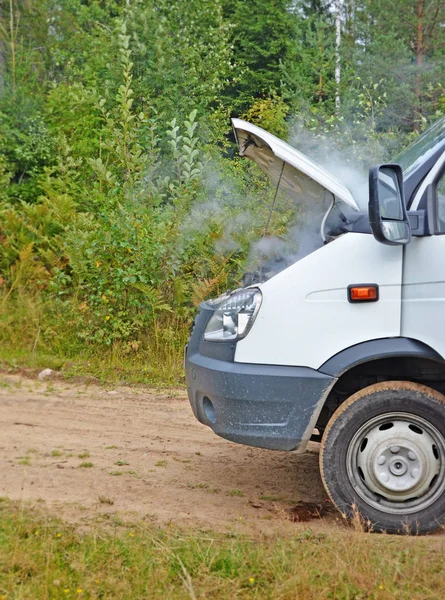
pixel 400 347
pixel 380 360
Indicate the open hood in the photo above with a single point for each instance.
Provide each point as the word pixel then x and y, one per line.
pixel 300 176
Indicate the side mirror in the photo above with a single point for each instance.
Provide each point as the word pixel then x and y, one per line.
pixel 387 212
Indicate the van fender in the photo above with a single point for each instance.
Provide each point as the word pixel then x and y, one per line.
pixel 396 347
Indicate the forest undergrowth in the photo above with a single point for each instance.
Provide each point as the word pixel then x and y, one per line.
pixel 123 201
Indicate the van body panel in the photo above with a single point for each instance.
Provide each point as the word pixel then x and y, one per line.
pixel 268 389
pixel 269 406
pixel 423 291
pixel 306 318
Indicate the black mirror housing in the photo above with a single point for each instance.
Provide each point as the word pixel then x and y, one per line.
pixel 387 211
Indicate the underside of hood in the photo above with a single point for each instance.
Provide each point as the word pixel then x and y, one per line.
pixel 299 176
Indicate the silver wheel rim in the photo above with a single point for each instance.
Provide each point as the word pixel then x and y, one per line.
pixel 396 463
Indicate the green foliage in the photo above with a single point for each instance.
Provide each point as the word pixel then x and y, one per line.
pixel 183 57
pixel 262 34
pixel 122 201
pixel 308 67
pixel 186 156
pixel 270 114
pixel 74 117
pixel 26 147
pixel 118 268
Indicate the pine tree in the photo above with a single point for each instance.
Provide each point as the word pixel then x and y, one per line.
pixel 403 41
pixel 262 34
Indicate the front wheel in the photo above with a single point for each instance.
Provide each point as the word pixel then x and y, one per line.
pixel 383 457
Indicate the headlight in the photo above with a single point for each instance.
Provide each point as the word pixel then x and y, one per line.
pixel 234 317
pixel 219 299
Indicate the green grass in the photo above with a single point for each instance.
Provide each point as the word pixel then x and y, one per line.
pixel 104 365
pixel 198 486
pixel 34 333
pixel 267 498
pixel 41 557
pixel 133 474
pixel 86 465
pixel 235 493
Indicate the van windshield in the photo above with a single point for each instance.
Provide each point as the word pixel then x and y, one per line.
pixel 424 147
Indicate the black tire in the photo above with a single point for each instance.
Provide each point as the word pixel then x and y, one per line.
pixel 352 492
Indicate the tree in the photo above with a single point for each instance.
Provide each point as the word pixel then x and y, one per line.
pixel 308 69
pixel 182 55
pixel 261 35
pixel 406 40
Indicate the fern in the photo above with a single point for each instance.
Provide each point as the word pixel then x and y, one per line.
pixel 155 297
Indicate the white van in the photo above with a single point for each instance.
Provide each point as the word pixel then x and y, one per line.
pixel 345 346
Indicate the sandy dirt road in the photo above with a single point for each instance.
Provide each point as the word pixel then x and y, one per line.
pixel 87 452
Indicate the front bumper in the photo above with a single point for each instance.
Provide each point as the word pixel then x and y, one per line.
pixel 267 406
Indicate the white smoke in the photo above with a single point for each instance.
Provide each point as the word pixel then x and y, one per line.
pixel 346 165
pixel 237 214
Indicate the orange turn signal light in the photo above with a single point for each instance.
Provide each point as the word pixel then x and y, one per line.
pixel 363 293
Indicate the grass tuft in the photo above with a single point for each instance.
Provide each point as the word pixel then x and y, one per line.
pixel 106 500
pixel 235 493
pixel 267 498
